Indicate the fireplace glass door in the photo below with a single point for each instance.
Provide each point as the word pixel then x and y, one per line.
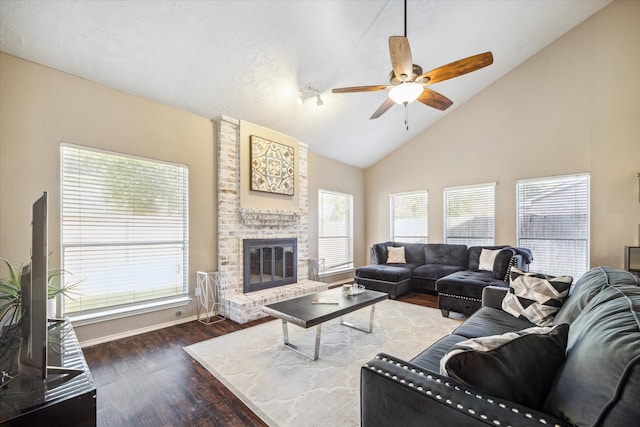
pixel 269 263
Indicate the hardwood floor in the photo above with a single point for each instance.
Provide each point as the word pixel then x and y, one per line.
pixel 149 380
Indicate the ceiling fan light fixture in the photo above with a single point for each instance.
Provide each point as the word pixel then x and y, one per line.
pixel 405 93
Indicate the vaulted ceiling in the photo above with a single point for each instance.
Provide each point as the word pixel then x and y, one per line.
pixel 249 59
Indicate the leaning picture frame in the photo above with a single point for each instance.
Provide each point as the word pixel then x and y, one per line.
pixel 272 166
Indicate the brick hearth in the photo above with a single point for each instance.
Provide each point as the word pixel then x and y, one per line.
pixel 236 223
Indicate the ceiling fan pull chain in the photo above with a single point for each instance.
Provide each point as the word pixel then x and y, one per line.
pixel 406 115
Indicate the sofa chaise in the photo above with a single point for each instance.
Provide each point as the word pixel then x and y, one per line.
pixel 591 380
pixel 455 272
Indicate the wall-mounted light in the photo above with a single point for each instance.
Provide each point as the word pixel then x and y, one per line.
pixel 307 92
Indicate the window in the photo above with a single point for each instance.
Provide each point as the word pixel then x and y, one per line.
pixel 553 221
pixel 469 214
pixel 335 230
pixel 409 220
pixel 124 230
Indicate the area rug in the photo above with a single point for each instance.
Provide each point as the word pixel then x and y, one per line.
pixel 285 389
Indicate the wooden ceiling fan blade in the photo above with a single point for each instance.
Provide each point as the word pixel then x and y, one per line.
pixel 434 99
pixel 457 68
pixel 388 103
pixel 401 60
pixel 360 89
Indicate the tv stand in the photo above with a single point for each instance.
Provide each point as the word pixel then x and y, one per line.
pixel 66 398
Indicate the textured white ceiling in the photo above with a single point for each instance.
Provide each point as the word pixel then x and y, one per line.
pixel 248 59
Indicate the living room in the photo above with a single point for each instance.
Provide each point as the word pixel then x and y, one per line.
pixel 572 108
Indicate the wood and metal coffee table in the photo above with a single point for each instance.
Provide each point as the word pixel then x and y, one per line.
pixel 303 312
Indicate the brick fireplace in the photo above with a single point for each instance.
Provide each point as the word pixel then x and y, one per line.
pixel 237 224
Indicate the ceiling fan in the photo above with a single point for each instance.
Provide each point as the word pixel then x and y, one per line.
pixel 408 82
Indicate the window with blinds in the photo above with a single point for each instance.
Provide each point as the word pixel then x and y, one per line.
pixel 335 230
pixel 409 217
pixel 469 215
pixel 553 221
pixel 125 228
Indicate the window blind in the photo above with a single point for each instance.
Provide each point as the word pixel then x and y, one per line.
pixel 469 214
pixel 124 229
pixel 553 221
pixel 335 229
pixel 409 217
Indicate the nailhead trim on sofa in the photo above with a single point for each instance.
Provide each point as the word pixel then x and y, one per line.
pixel 438 396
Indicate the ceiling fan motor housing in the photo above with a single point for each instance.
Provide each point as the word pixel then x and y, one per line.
pixel 415 72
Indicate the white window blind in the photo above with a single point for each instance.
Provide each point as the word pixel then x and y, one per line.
pixel 335 230
pixel 409 217
pixel 124 229
pixel 469 214
pixel 553 221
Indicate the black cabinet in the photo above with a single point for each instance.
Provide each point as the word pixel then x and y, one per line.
pixel 632 259
pixel 56 401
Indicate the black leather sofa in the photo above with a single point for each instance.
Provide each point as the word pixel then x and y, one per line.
pixel 450 270
pixel 597 383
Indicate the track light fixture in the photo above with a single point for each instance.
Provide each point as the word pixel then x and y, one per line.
pixel 307 92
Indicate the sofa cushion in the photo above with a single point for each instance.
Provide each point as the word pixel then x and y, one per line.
pixel 445 254
pixel 517 366
pixel 385 272
pixel 588 286
pixel 395 255
pixel 379 252
pixel 435 271
pixel 473 260
pixel 490 321
pixel 534 296
pixel 414 252
pixel 599 383
pixel 467 283
pixel 430 358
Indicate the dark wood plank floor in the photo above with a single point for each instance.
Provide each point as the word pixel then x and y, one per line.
pixel 149 380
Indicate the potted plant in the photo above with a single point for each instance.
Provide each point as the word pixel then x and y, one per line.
pixel 11 297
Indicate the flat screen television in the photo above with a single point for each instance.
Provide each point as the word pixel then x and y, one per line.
pixel 32 361
pixel 33 348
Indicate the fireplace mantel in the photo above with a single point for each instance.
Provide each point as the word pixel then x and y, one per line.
pixel 253 217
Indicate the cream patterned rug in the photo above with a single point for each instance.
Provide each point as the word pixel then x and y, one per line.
pixel 286 389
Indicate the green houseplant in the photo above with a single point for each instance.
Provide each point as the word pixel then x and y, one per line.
pixel 11 298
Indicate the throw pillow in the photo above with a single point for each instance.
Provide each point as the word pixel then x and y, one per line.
pixel 535 297
pixel 395 255
pixel 487 258
pixel 517 366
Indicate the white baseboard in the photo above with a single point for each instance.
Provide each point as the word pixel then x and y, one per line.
pixel 133 332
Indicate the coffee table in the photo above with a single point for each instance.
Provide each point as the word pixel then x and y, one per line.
pixel 304 313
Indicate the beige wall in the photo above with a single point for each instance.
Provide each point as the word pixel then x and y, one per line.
pixel 40 108
pixel 574 107
pixel 328 174
pixel 258 199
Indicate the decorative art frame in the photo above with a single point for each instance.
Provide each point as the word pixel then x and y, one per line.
pixel 272 166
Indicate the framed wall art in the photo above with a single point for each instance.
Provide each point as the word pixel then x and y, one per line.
pixel 272 166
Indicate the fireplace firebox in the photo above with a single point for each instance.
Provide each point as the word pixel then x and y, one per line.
pixel 269 263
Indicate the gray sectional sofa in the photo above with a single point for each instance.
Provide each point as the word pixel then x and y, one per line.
pixel 594 381
pixel 453 271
